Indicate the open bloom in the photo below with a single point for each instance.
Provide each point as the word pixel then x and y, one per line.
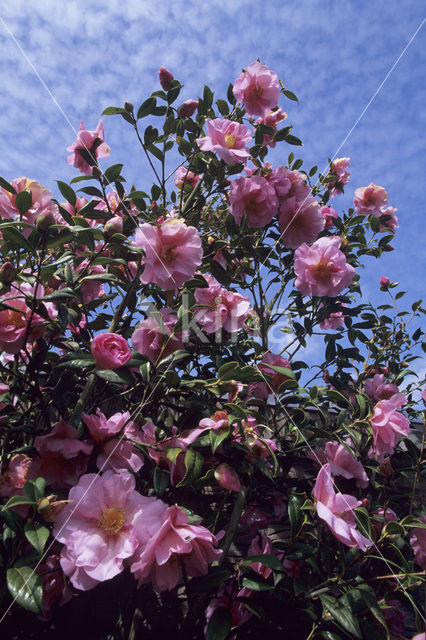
pixel 272 119
pixel 274 378
pixel 300 221
pixel 369 200
pixel 104 525
pixel 110 350
pixel 41 201
pixel 342 463
pixel 337 510
pixel 174 542
pixel 173 252
pixel 388 426
pixel 258 88
pixel 154 337
pixel 56 591
pixel 340 167
pixel 62 458
pixel 392 222
pixel 227 139
pixel 185 178
pixel 221 308
pixel 329 214
pixel 254 196
pixel 335 320
pixel 322 269
pixel 87 148
pixel 378 389
pixel 115 453
pixel 15 476
pixel 418 544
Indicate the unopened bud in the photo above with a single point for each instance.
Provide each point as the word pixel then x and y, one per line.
pixel 187 108
pixel 54 282
pixel 7 272
pixel 166 78
pixel 384 282
pixel 96 172
pixel 154 206
pixel 128 107
pixel 115 225
pixel 227 477
pixel 365 503
pixel 49 507
pixel 343 243
pixel 45 220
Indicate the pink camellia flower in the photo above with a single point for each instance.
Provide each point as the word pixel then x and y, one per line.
pixel 87 148
pixel 14 321
pixel 261 545
pixel 385 516
pixel 418 544
pixel 392 223
pixel 388 425
pixel 369 200
pixel 384 282
pixel 184 177
pixel 106 522
pixel 249 434
pixel 300 221
pixel 329 214
pixel 155 337
pixel 256 197
pixel 378 389
pixel 322 269
pixel 41 203
pixel 110 350
pixel 56 591
pixel 62 458
pixel 173 252
pixel 187 109
pixel 227 477
pixel 175 541
pixel 227 139
pixel 419 636
pixel 166 78
pixel 90 289
pixel 337 511
pixel 15 476
pixel 342 463
pixel 275 379
pixel 423 394
pixel 221 308
pixel 258 88
pixel 291 188
pixel 115 453
pixel 335 320
pixel 272 119
pixel 229 598
pixel 340 167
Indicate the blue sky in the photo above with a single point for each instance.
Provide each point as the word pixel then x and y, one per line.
pixel 332 54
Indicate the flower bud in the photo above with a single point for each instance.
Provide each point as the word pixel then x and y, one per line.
pixel 128 107
pixel 54 282
pixel 187 108
pixel 96 172
pixel 165 78
pixel 49 507
pixel 154 206
pixel 45 220
pixel 365 503
pixel 384 282
pixel 227 477
pixel 115 225
pixel 7 272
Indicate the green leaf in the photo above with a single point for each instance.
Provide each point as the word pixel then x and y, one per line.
pixel 60 294
pixel 114 111
pixel 215 577
pixel 16 239
pixel 146 107
pixel 24 201
pixel 16 501
pixel 194 462
pixel 37 535
pixel 219 624
pixel 112 173
pixel 342 614
pixel 290 95
pixel 6 185
pixel 26 587
pixel 34 489
pixel 161 480
pixel 283 370
pixel 257 585
pixel 207 96
pixel 223 107
pixel 268 559
pixel 67 191
pixel 293 140
pixel 118 377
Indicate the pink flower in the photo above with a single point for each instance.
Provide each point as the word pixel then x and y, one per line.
pixel 418 544
pixel 87 148
pixel 155 337
pixel 187 109
pixel 249 435
pixel 228 598
pixel 166 78
pixel 227 139
pixel 258 88
pixel 322 269
pixel 369 200
pixel 378 389
pixel 14 321
pixel 13 479
pixel 221 308
pixel 275 379
pixel 62 458
pixel 328 213
pixel 256 197
pixel 227 477
pixel 337 510
pixel 104 525
pixel 335 320
pixel 110 350
pixel 56 591
pixel 340 167
pixel 272 119
pixel 115 453
pixel 300 221
pixel 424 395
pixel 291 188
pixel 184 177
pixel 392 223
pixel 387 516
pixel 41 201
pixel 173 252
pixel 260 545
pixel 175 542
pixel 388 425
pixel 342 463
pixel 384 282
pixel 90 289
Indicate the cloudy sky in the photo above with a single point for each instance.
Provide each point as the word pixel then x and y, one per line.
pixel 334 55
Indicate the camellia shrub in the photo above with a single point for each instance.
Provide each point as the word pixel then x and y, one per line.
pixel 174 463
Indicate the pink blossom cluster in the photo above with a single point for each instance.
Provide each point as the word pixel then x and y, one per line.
pixel 378 389
pixel 185 178
pixel 218 308
pixel 42 209
pixel 272 119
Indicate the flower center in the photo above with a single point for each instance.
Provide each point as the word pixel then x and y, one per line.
pixel 168 253
pixel 112 520
pixel 17 319
pixel 229 141
pixel 256 92
pixel 321 272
